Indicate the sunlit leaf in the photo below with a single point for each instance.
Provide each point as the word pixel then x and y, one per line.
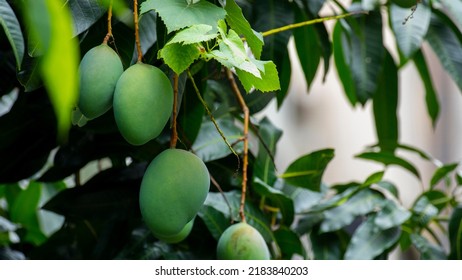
pixel 179 57
pixel 389 159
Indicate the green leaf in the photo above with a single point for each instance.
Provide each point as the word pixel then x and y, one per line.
pixel 209 144
pixel 307 171
pixel 455 234
pixel 51 26
pixel 389 159
pixel 437 198
pixel 264 167
pixel 328 246
pixel 368 241
pixel 445 41
pixel 409 34
pixel 340 39
pixel 385 104
pixel 423 211
pixel 428 251
pixel 269 80
pixel 179 57
pixel 289 243
pixel 433 106
pixel 85 14
pixel 303 199
pixel 215 220
pixel 359 204
pixel 391 215
pixel 374 178
pixel 239 23
pixel 178 14
pixel 308 47
pixel 194 34
pixel 12 30
pixel 442 173
pixel 454 8
pixel 278 198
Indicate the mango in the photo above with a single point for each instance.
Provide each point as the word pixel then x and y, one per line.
pixel 143 101
pixel 99 71
pixel 179 236
pixel 241 241
pixel 173 189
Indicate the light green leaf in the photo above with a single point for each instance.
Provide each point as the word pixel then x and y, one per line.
pixel 410 34
pixel 59 64
pixel 307 171
pixel 178 14
pixel 391 215
pixel 389 159
pixel 239 23
pixel 269 80
pixel 179 57
pixel 194 34
pixel 424 211
pixel 428 251
pixel 369 241
pixel 12 30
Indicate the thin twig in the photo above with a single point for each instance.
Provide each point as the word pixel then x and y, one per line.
pixel 174 136
pixel 109 24
pixel 137 30
pixel 215 183
pixel 245 110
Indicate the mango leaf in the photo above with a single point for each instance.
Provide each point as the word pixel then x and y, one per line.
pixel 215 220
pixel 179 57
pixel 423 211
pixel 361 203
pixel 445 40
pixel 278 199
pixel 455 234
pixel 454 8
pixel 442 173
pixel 85 14
pixel 12 30
pixel 51 26
pixel 253 215
pixel 369 241
pixel 389 159
pixel 269 80
pixel 289 243
pixel 428 251
pixel 385 104
pixel 303 199
pixel 307 171
pixel 328 246
pixel 409 34
pixel 391 215
pixel 264 167
pixel 239 23
pixel 209 144
pixel 433 106
pixel 178 14
pixel 193 34
pixel 340 39
pixel 437 198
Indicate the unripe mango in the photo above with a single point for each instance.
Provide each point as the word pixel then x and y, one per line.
pixel 99 70
pixel 173 189
pixel 242 242
pixel 179 236
pixel 143 102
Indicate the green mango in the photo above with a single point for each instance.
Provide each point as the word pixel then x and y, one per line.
pixel 173 189
pixel 99 71
pixel 241 241
pixel 179 236
pixel 143 103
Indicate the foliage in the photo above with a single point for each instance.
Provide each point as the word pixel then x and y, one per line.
pixel 71 191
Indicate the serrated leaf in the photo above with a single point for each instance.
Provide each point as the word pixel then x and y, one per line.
pixel 368 241
pixel 431 98
pixel 12 30
pixel 361 203
pixel 179 57
pixel 193 34
pixel 178 14
pixel 455 234
pixel 389 159
pixel 391 215
pixel 307 171
pixel 239 23
pixel 278 198
pixel 409 34
pixel 428 251
pixel 441 173
pixel 269 80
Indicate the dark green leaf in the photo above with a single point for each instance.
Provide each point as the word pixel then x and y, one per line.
pixel 307 171
pixel 328 246
pixel 427 250
pixel 389 159
pixel 433 106
pixel 424 211
pixel 340 39
pixel 454 8
pixel 85 14
pixel 215 220
pixel 437 198
pixel 385 103
pixel 455 233
pixel 369 241
pixel 289 243
pixel 264 167
pixel 409 33
pixel 391 215
pixel 303 199
pixel 12 30
pixel 442 173
pixel 278 198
